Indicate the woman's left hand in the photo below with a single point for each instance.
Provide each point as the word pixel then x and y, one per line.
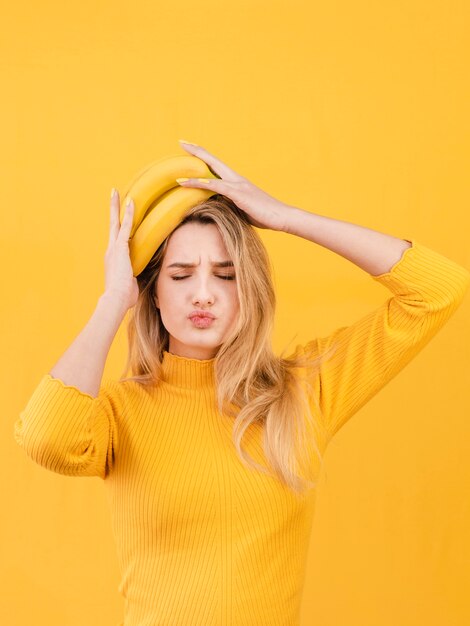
pixel 262 210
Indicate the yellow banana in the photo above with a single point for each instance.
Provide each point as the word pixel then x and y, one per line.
pixel 157 178
pixel 160 203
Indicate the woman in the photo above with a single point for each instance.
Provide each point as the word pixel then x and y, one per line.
pixel 210 533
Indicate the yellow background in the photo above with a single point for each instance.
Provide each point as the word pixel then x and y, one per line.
pixel 354 110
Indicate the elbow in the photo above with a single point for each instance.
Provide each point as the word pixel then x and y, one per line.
pixel 455 292
pixel 53 455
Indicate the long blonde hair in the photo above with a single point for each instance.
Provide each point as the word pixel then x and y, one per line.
pixel 252 383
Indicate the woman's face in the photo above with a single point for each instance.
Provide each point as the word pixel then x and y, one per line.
pixel 181 290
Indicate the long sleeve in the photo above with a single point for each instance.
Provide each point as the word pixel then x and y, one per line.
pixel 68 431
pixel 427 288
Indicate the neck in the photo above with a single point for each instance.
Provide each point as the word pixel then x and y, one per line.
pixel 187 372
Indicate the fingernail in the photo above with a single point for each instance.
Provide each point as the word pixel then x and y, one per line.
pixel 113 192
pixel 203 180
pixel 181 180
pixel 129 202
pixel 187 142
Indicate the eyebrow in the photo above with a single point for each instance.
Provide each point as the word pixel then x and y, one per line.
pixel 214 263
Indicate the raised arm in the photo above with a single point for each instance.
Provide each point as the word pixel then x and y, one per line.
pixel 69 422
pixel 427 288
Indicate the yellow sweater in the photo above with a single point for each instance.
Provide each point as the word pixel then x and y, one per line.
pixel 202 540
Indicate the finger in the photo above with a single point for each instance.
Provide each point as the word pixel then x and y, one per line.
pixel 126 225
pixel 217 166
pixel 114 217
pixel 215 184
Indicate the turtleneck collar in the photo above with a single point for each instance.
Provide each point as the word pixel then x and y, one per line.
pixel 188 373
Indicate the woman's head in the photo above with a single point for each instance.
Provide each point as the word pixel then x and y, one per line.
pixel 253 384
pixel 241 295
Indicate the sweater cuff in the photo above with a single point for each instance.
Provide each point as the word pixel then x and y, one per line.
pixel 429 274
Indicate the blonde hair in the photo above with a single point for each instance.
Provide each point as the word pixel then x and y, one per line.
pixel 252 383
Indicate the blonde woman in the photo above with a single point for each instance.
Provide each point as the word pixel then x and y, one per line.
pixel 211 448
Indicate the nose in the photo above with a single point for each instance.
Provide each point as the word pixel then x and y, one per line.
pixel 203 292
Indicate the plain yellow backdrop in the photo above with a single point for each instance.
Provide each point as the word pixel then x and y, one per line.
pixel 354 110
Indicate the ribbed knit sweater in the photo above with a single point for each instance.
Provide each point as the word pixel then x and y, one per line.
pixel 202 540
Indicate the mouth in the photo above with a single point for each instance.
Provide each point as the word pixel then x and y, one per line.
pixel 201 321
pixel 201 313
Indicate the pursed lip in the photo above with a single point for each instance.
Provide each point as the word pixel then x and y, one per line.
pixel 201 314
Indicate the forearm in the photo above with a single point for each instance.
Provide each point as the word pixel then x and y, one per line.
pixel 372 251
pixel 83 363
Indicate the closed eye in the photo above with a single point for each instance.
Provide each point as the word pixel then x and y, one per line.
pixel 223 277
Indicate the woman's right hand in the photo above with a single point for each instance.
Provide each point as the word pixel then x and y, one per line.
pixel 120 281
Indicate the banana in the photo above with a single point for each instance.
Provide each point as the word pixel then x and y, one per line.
pixel 157 178
pixel 160 204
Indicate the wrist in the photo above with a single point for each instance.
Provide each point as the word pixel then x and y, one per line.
pixel 113 301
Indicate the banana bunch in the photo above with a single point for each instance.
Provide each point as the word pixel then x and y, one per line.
pixel 160 204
